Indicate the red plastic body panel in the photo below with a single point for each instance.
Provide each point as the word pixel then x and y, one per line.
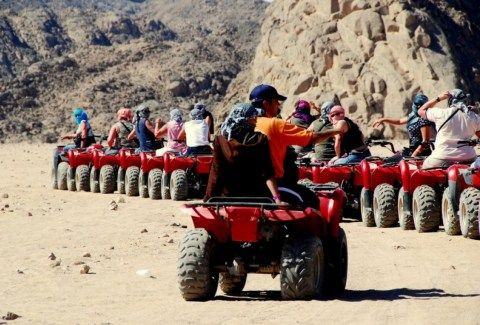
pixel 149 161
pixel 375 173
pixel 77 157
pixel 128 158
pixel 305 172
pixel 200 164
pixel 413 176
pixel 100 159
pixel 326 174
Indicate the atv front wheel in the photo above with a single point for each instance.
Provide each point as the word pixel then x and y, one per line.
pixel 302 268
pixel 155 184
pixel 425 209
pixel 62 171
pixel 94 186
pixel 366 209
pixel 404 209
pixel 469 213
pixel 71 179
pixel 197 278
pixel 166 186
pixel 449 215
pixel 337 267
pixel 131 181
pixel 143 185
pixel 82 178
pixel 384 201
pixel 54 178
pixel 106 179
pixel 121 180
pixel 178 185
pixel 231 284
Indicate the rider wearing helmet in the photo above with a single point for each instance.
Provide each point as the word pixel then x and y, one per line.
pixel 117 137
pixel 455 123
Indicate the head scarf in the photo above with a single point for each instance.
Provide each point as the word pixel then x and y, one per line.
pixel 337 113
pixel 124 114
pixel 325 109
pixel 237 125
pixel 79 115
pixel 418 101
pixel 176 115
pixel 201 106
pixel 458 97
pixel 302 111
pixel 142 111
pixel 196 114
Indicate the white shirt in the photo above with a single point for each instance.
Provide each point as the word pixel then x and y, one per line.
pixel 462 126
pixel 196 132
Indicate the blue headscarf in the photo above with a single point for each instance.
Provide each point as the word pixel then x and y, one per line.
pixel 325 109
pixel 79 115
pixel 176 115
pixel 196 114
pixel 418 101
pixel 458 97
pixel 237 125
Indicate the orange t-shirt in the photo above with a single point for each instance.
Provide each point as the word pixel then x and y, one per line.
pixel 281 134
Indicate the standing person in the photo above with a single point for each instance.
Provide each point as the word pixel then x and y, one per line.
pixel 196 133
pixel 83 136
pixel 350 146
pixel 282 134
pixel 172 129
pixel 323 150
pixel 144 130
pixel 207 116
pixel 117 137
pixel 418 129
pixel 454 123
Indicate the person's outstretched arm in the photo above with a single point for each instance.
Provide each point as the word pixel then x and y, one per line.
pixel 393 121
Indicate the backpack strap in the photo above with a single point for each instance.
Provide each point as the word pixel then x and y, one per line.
pixel 448 119
pixel 126 127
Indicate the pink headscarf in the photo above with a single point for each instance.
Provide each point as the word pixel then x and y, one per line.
pixel 337 113
pixel 125 114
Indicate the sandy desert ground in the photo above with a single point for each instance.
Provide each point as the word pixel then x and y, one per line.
pixel 394 276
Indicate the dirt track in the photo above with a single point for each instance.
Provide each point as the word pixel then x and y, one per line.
pixel 394 276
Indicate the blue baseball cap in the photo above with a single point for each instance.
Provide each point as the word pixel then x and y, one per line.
pixel 265 92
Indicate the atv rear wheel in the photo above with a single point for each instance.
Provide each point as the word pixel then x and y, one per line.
pixel 121 180
pixel 143 185
pixel 178 185
pixel 449 215
pixel 94 186
pixel 197 278
pixel 337 267
pixel 302 268
pixel 425 209
pixel 54 178
pixel 131 181
pixel 366 209
pixel 166 186
pixel 384 202
pixel 62 170
pixel 82 178
pixel 404 210
pixel 231 284
pixel 106 179
pixel 71 179
pixel 469 213
pixel 155 184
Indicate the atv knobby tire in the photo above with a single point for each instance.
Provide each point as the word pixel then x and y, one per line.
pixel 166 186
pixel 54 178
pixel 179 185
pixel 425 209
pixel 62 170
pixel 143 184
pixel 384 206
pixel 405 218
pixel 71 179
pixel 155 184
pixel 337 267
pixel 366 209
pixel 94 186
pixel 451 223
pixel 468 213
pixel 231 284
pixel 131 181
pixel 107 179
pixel 197 278
pixel 121 180
pixel 302 268
pixel 82 178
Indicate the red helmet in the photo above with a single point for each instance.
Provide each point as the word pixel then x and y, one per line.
pixel 125 114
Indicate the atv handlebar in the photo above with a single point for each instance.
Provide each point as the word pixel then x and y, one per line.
pixel 381 143
pixel 471 143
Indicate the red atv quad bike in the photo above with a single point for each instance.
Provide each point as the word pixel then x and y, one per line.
pixel 420 195
pixel 460 201
pixel 151 176
pixel 128 172
pixel 237 236
pixel 186 176
pixel 103 174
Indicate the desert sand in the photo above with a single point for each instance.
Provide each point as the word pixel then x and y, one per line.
pixel 395 276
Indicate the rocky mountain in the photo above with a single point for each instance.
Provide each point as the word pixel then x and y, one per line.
pixel 103 55
pixel 374 55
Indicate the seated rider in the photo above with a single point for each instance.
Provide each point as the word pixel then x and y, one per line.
pixel 172 129
pixel 208 117
pixel 83 136
pixel 454 123
pixel 301 117
pixel 196 132
pixel 323 150
pixel 144 130
pixel 350 144
pixel 117 137
pixel 418 129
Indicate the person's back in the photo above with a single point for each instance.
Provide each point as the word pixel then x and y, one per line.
pixel 196 132
pixel 353 138
pixel 173 131
pixel 123 130
pixel 323 150
pixel 145 136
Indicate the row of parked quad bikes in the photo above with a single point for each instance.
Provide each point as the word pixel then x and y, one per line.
pixel 306 247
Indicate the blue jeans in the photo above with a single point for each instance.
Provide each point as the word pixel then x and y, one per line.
pixel 353 157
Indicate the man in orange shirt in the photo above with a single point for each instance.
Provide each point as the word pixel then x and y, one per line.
pixel 281 133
